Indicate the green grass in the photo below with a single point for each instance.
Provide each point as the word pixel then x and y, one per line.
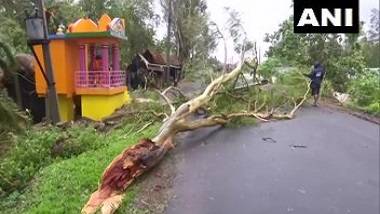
pixel 372 109
pixel 64 186
pixel 38 148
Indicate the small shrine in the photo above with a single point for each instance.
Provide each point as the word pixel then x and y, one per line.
pixel 86 67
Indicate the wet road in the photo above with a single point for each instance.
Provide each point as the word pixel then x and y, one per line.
pixel 322 162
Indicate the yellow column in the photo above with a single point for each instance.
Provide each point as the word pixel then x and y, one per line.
pixel 66 108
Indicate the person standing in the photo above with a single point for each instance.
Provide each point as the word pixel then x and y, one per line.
pixel 316 76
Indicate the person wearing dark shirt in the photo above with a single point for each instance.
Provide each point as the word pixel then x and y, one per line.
pixel 316 76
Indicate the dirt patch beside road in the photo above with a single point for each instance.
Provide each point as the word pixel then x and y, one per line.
pixel 155 187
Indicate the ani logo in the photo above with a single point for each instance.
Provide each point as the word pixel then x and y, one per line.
pixel 327 16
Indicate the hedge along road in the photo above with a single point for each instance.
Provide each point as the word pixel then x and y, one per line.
pixel 323 161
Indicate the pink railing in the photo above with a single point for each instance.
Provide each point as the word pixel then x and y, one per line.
pixel 100 79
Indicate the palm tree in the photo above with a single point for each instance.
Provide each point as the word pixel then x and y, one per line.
pixel 9 67
pixel 11 117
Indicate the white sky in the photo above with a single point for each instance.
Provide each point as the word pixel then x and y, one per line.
pixel 259 17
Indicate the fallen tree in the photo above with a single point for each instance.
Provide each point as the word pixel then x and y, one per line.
pixel 134 161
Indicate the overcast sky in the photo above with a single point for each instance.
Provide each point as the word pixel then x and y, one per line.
pixel 260 17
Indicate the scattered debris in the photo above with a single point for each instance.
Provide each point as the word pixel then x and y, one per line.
pixel 144 127
pixel 302 191
pixel 269 140
pixel 342 98
pixel 157 188
pixel 298 146
pixel 145 203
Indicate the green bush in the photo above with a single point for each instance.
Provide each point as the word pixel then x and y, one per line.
pixel 269 68
pixel 64 187
pixel 12 119
pixel 37 149
pixel 289 87
pixel 374 108
pixel 76 141
pixel 327 89
pixel 365 91
pixel 30 152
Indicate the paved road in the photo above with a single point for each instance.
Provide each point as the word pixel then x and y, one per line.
pixel 256 170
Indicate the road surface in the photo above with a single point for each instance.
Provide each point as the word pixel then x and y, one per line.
pixel 322 162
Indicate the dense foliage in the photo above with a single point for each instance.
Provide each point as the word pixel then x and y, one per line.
pixel 63 186
pixel 37 149
pixel 55 170
pixel 345 57
pixel 365 91
pixel 139 16
pixel 192 37
pixel 27 153
pixel 49 168
pixel 342 61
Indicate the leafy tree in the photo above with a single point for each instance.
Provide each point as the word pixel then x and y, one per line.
pixel 139 17
pixel 62 12
pixel 239 36
pixel 342 55
pixel 15 9
pixel 94 8
pixel 11 118
pixel 192 35
pixel 269 68
pixel 7 61
pixel 370 43
pixel 371 52
pixel 286 45
pixel 365 91
pixel 374 32
pixel 13 35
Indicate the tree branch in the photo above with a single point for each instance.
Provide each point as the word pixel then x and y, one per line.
pixel 167 100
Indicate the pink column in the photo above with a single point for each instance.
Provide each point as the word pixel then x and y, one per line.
pixel 116 77
pixel 93 57
pixel 116 58
pixel 81 78
pixel 92 75
pixel 105 66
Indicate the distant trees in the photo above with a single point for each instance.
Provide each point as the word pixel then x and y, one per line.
pixel 374 31
pixel 193 40
pixel 341 54
pixel 347 58
pixel 192 37
pixel 139 17
pixel 371 44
